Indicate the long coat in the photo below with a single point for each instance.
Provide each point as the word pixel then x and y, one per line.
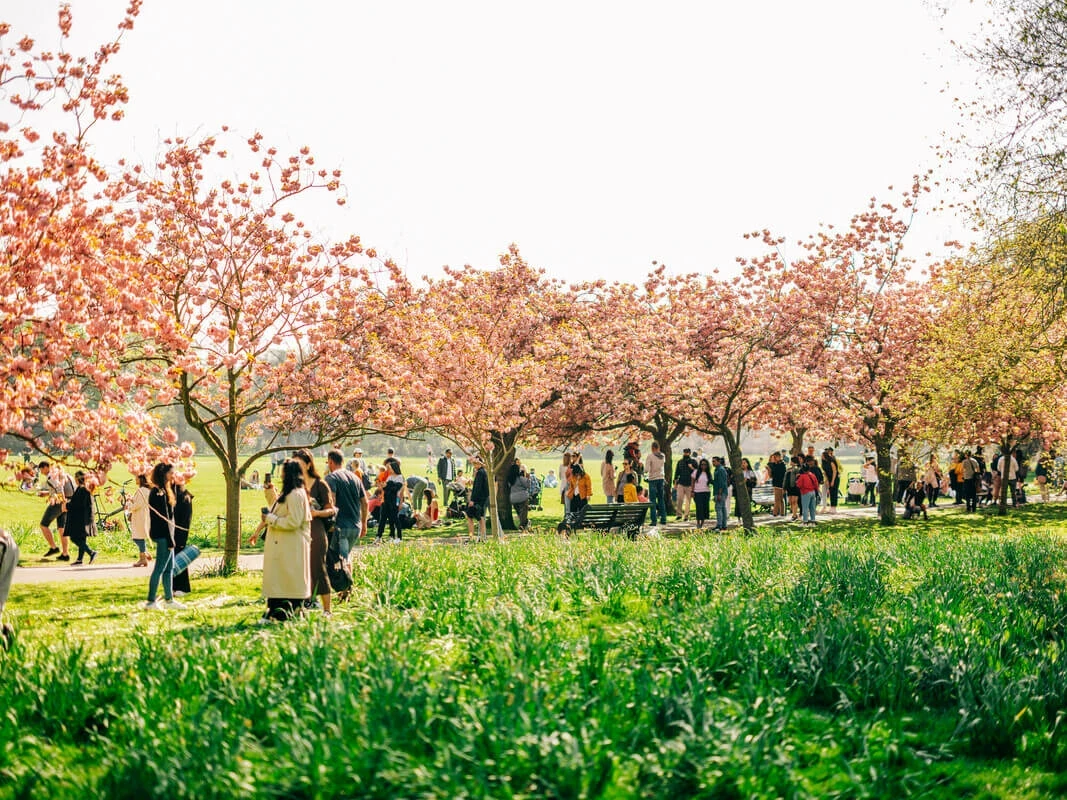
pixel 286 551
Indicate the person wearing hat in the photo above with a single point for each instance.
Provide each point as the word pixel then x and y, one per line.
pixel 446 473
pixel 357 464
pixel 479 499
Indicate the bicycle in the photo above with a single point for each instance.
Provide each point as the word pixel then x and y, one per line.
pixel 105 520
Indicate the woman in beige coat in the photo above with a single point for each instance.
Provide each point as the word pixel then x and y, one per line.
pixel 286 551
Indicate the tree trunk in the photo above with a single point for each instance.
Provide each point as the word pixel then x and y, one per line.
pixel 232 547
pixel 887 510
pixel 503 491
pixel 494 506
pixel 668 475
pixel 741 495
pixel 503 455
pixel 796 437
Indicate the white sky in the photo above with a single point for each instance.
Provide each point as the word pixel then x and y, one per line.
pixel 597 135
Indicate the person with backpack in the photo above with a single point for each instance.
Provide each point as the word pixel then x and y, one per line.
pixel 791 490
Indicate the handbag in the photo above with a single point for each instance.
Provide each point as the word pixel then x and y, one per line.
pixel 338 570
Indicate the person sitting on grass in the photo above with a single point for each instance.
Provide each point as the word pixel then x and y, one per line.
pixel 428 518
pixel 915 500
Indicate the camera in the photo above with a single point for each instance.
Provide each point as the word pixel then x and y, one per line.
pixel 264 511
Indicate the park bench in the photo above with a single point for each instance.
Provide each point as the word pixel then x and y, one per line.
pixel 763 498
pixel 625 517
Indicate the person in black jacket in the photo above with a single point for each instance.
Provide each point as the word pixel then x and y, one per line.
pixel 161 532
pixel 183 518
pixel 479 499
pixel 80 524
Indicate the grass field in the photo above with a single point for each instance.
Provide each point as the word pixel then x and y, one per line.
pixel 924 661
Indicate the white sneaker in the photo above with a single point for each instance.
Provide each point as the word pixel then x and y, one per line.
pixel 175 604
pixel 152 606
pixel 180 593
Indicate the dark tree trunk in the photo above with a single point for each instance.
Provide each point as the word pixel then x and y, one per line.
pixel 744 501
pixel 503 458
pixel 796 437
pixel 887 510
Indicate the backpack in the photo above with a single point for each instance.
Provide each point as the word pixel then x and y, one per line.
pixel 791 479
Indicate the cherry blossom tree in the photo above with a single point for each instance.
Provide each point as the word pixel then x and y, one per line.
pixel 612 383
pixel 68 309
pixel 485 352
pixel 259 323
pixel 881 318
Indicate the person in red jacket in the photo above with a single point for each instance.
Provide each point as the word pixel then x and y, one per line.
pixel 808 485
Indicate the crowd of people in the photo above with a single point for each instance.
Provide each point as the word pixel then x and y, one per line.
pixel 313 515
pixel 801 484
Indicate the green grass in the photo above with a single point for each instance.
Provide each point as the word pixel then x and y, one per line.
pixel 923 661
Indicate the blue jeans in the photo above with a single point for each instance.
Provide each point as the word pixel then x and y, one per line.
pixel 657 500
pixel 720 512
pixel 343 538
pixel 162 569
pixel 807 506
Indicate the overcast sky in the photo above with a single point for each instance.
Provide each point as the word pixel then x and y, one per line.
pixel 597 135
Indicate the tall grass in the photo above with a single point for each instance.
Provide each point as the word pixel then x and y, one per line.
pixel 852 666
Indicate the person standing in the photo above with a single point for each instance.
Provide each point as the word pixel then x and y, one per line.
pixel 58 488
pixel 970 471
pixel 139 520
pixel 446 473
pixel 870 481
pixel 478 499
pixel 831 472
pixel 323 512
pixel 80 524
pixel 519 493
pixel 287 551
pixel 683 484
pixel 607 476
pixel 351 500
pixel 791 490
pixel 392 488
pixel 701 482
pixel 655 464
pixel 1041 475
pixel 161 531
pixel 776 471
pixel 808 486
pixel 565 484
pixel 932 480
pixel 720 484
pixel 183 519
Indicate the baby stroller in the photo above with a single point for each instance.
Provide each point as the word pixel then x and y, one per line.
pixel 458 504
pixel 856 488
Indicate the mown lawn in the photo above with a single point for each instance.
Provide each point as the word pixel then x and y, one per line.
pixel 854 662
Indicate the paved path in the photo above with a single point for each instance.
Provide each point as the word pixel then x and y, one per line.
pixel 253 563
